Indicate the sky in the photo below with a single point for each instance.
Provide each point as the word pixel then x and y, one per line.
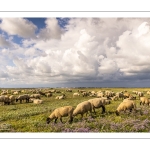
pixel 74 52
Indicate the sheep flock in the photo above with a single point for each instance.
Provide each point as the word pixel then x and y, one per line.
pixel 74 105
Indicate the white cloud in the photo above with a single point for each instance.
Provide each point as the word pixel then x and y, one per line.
pixel 18 26
pixel 52 30
pixel 91 50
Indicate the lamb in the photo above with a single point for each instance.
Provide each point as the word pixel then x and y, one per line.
pixel 82 108
pixel 144 100
pixel 126 105
pixel 61 112
pixel 99 102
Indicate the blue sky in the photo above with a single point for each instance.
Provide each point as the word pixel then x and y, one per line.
pixel 74 52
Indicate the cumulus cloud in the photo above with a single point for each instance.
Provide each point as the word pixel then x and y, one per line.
pixel 18 26
pixel 91 51
pixel 52 30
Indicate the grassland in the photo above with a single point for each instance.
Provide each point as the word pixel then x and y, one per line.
pixel 29 117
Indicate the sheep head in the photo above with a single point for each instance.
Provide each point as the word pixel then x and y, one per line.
pixel 48 120
pixel 117 113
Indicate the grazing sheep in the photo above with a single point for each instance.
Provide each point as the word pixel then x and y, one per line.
pixel 144 100
pixel 36 96
pixel 23 97
pixel 98 103
pixel 16 93
pixel 114 98
pixel 48 94
pixel 140 94
pixel 4 99
pixel 126 105
pixel 12 99
pixel 61 112
pixel 76 94
pixel 68 90
pixel 82 108
pixel 100 94
pixel 84 94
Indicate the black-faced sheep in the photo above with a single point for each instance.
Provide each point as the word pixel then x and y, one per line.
pixel 23 97
pixel 144 100
pixel 61 112
pixel 82 108
pixel 126 105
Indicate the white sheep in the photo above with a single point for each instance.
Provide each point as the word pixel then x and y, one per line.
pixel 4 99
pixel 61 112
pixel 82 108
pixel 12 99
pixel 76 94
pixel 37 96
pixel 126 105
pixel 37 101
pixel 60 97
pixel 48 94
pixel 144 100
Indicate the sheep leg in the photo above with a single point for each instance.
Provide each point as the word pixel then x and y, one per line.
pixel 103 109
pixel 55 120
pixel 71 119
pixel 61 119
pixel 94 110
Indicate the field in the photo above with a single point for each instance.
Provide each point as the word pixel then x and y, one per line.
pixel 29 117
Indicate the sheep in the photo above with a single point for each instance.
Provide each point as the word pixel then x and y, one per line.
pixel 23 97
pixel 100 94
pixel 12 99
pixel 76 94
pixel 144 100
pixel 37 96
pixel 82 108
pixel 126 105
pixel 140 94
pixel 61 112
pixel 16 93
pixel 37 101
pixel 84 94
pixel 60 97
pixel 99 102
pixel 4 99
pixel 68 90
pixel 48 94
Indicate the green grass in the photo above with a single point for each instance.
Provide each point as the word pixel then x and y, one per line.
pixel 29 117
